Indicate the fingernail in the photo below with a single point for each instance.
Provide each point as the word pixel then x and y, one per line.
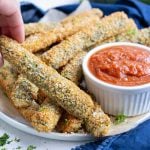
pixel 1 60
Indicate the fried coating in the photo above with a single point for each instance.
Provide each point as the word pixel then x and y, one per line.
pixel 128 36
pixel 66 28
pixel 7 78
pixel 68 124
pixel 73 70
pixel 42 117
pixel 45 117
pixel 136 36
pixel 114 24
pixel 97 122
pixel 32 28
pixel 24 93
pixel 143 37
pixel 64 92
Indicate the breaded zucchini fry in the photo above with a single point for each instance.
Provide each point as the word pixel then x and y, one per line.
pixel 73 70
pixel 96 119
pixel 127 36
pixel 32 28
pixel 45 117
pixel 109 26
pixel 143 36
pixel 68 123
pixel 79 17
pixel 24 93
pixel 58 88
pixel 136 36
pixel 42 117
pixel 7 78
pixel 66 28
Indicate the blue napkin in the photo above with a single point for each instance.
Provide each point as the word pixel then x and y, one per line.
pixel 138 138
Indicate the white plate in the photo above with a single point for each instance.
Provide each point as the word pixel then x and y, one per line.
pixel 11 116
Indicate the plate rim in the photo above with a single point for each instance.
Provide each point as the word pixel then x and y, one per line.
pixel 51 135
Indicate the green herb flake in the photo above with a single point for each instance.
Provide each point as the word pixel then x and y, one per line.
pixel 31 147
pixel 3 139
pixel 3 148
pixel 120 118
pixel 17 140
pixel 18 148
pixel 8 142
pixel 132 32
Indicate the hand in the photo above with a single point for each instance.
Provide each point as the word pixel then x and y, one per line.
pixel 11 23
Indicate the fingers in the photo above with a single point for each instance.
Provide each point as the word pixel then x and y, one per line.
pixel 16 27
pixel 11 22
pixel 1 60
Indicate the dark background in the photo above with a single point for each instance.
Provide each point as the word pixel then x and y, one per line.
pixel 113 1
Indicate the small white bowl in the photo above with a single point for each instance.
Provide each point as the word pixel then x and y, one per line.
pixel 114 99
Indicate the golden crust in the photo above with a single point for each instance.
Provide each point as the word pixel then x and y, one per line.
pixel 32 28
pixel 98 122
pixel 72 25
pixel 68 124
pixel 73 70
pixel 7 78
pixel 43 119
pixel 24 93
pixel 114 24
pixel 58 88
pixel 143 36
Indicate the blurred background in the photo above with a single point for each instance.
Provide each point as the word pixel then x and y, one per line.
pixel 113 1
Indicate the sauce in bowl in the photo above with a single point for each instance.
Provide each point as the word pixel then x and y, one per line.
pixel 121 65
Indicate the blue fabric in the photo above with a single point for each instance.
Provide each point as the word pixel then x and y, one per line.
pixel 135 9
pixel 138 138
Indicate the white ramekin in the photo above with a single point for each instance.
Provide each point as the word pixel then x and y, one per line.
pixel 114 99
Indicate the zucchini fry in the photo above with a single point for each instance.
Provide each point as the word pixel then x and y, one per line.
pixel 7 78
pixel 127 36
pixel 96 119
pixel 42 117
pixel 24 93
pixel 73 70
pixel 64 92
pixel 136 36
pixel 68 124
pixel 66 28
pixel 143 36
pixel 112 25
pixel 32 28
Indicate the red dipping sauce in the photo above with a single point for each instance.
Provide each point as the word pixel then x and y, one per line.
pixel 121 65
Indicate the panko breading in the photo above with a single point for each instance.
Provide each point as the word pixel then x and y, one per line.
pixel 73 70
pixel 45 117
pixel 24 93
pixel 114 24
pixel 7 78
pixel 42 117
pixel 69 124
pixel 66 28
pixel 64 92
pixel 32 28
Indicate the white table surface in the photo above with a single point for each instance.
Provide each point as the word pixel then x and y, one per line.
pixel 27 139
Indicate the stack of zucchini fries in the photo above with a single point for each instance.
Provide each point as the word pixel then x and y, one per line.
pixel 42 76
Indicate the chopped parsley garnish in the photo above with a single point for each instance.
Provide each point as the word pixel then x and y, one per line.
pixel 132 32
pixel 31 147
pixel 3 139
pixel 120 118
pixel 19 147
pixel 17 140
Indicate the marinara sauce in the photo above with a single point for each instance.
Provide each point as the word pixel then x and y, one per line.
pixel 121 65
